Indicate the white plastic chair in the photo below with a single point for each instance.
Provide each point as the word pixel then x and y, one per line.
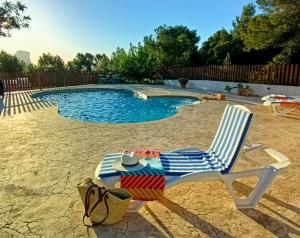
pixel 217 163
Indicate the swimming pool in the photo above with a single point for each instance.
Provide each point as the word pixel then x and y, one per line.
pixel 113 106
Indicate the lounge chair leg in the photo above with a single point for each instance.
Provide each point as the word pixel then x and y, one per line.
pixel 265 175
pixel 286 111
pixel 282 113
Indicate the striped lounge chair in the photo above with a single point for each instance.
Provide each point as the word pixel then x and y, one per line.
pixel 193 165
pixel 285 106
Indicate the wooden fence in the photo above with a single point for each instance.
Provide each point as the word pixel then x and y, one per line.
pixel 40 80
pixel 287 74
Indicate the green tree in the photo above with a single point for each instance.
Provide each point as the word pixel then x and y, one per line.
pixel 116 60
pixel 98 57
pixel 102 64
pixel 216 48
pixel 31 68
pixel 175 45
pixel 129 65
pixel 138 63
pixel 148 62
pixel 227 60
pixel 170 47
pixel 241 22
pixel 12 17
pixel 82 62
pixel 48 62
pixel 9 63
pixel 277 27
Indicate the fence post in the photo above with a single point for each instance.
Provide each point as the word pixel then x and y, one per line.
pixel 296 72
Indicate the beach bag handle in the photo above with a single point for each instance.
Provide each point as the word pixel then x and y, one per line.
pixel 101 197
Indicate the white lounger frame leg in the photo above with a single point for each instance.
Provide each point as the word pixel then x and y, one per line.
pixel 265 174
pixel 284 112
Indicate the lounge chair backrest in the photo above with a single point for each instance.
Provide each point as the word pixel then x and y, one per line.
pixel 230 137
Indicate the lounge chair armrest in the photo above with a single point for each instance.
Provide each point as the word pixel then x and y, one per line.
pixel 249 172
pixel 252 147
pixel 282 164
pixel 186 149
pixel 248 146
pixel 282 161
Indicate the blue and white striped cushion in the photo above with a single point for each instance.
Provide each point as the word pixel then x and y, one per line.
pixel 106 169
pixel 230 136
pixel 222 153
pixel 179 163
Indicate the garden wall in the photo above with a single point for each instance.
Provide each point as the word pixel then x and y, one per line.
pixel 219 86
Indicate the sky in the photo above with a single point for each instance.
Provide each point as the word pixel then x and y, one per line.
pixel 66 27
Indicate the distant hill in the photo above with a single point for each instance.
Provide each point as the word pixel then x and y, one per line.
pixel 23 56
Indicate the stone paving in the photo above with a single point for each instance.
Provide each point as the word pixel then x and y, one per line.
pixel 44 155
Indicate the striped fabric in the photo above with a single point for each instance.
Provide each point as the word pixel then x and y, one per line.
pixel 146 194
pixel 222 152
pixel 149 153
pixel 179 163
pixel 145 188
pixel 106 169
pixel 146 184
pixel 230 136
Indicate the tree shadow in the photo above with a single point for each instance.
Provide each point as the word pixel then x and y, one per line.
pixel 200 224
pixel 21 101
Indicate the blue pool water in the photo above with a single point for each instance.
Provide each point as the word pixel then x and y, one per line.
pixel 113 106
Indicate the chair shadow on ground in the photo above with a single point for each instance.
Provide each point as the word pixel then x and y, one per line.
pixel 19 102
pixel 293 116
pixel 270 223
pixel 133 225
pixel 145 228
pixel 273 224
pixel 200 224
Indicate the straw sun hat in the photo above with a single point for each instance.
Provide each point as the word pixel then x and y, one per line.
pixel 129 162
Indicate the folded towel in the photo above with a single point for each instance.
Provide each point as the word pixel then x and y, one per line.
pixel 148 153
pixel 146 184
